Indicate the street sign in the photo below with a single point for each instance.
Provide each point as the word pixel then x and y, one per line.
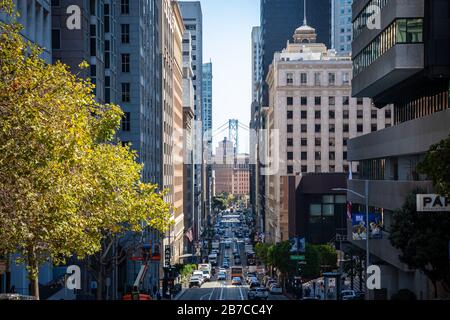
pixel 300 258
pixel 167 256
pixel 432 203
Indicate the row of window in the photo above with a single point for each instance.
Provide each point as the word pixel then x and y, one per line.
pixel 401 31
pixel 332 114
pixel 318 78
pixel 318 101
pixel 317 142
pixel 317 156
pixel 317 169
pixel 331 128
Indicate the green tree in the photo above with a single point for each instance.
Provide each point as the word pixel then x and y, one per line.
pixel 423 239
pixel 64 184
pixel 312 268
pixel 436 166
pixel 328 257
pixel 219 203
pixel 262 253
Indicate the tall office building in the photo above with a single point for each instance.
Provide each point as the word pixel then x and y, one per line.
pixel 342 32
pixel 313 115
pixel 280 17
pixel 188 172
pixel 36 21
pixel 255 122
pixel 177 137
pixel 193 21
pixel 139 93
pixel 207 97
pixel 404 63
pixel 73 46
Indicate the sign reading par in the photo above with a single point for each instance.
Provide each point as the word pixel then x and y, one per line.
pixel 432 203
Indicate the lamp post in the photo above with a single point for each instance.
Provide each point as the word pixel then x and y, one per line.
pixel 366 198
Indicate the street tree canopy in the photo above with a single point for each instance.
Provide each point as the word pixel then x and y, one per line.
pixel 436 165
pixel 64 182
pixel 423 239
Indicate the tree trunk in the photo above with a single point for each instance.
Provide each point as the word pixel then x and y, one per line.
pixel 435 289
pixel 33 273
pixel 100 284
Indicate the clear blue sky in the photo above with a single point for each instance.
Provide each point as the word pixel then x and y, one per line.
pixel 227 27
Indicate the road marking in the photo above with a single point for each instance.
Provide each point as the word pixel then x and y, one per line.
pixel 221 292
pixel 203 296
pixel 212 292
pixel 240 292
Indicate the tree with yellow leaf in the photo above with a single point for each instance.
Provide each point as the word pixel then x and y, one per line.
pixel 64 184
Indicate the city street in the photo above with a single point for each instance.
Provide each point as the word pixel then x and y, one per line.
pixel 224 290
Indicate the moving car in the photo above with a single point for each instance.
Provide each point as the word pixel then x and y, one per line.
pixel 236 281
pixel 258 294
pixel 276 289
pixel 195 281
pixel 222 276
pixel 254 283
pixel 206 275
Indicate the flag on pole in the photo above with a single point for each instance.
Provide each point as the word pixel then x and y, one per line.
pixel 350 171
pixel 349 210
pixel 189 235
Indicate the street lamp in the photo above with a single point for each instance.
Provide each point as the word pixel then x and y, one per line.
pixel 366 198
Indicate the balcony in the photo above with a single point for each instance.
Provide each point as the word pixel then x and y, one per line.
pixel 398 64
pixel 412 137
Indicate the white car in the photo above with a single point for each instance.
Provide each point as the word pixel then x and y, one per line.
pixel 222 276
pixel 195 281
pixel 276 289
pixel 348 294
pixel 206 275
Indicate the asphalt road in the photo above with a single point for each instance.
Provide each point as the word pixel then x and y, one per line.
pixel 224 290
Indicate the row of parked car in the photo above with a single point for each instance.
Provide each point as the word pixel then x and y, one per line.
pixel 259 290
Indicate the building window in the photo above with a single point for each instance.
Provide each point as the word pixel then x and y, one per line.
pixel 318 169
pixel 318 156
pixel 126 92
pixel 331 79
pixel 345 128
pixel 303 79
pixel 304 169
pixel 317 101
pixel 125 29
pixel 346 100
pixel 290 142
pixel 126 121
pixel 332 156
pixel 125 6
pixel 290 169
pixel 360 114
pixel 346 114
pixel 304 128
pixel 304 156
pixel 304 114
pixel 359 128
pixel 125 62
pixel 344 155
pixel 332 128
pixel 345 141
pixel 331 142
pixel 388 114
pixel 374 114
pixel 345 78
pixel 290 156
pixel 318 142
pixel 332 101
pixel 290 128
pixel 290 101
pixel 359 101
pixel 304 142
pixel 303 101
pixel 317 77
pixel 290 115
pixel 289 78
pixel 331 114
pixel 56 39
pixel 317 115
pixel 317 128
pixel 373 127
